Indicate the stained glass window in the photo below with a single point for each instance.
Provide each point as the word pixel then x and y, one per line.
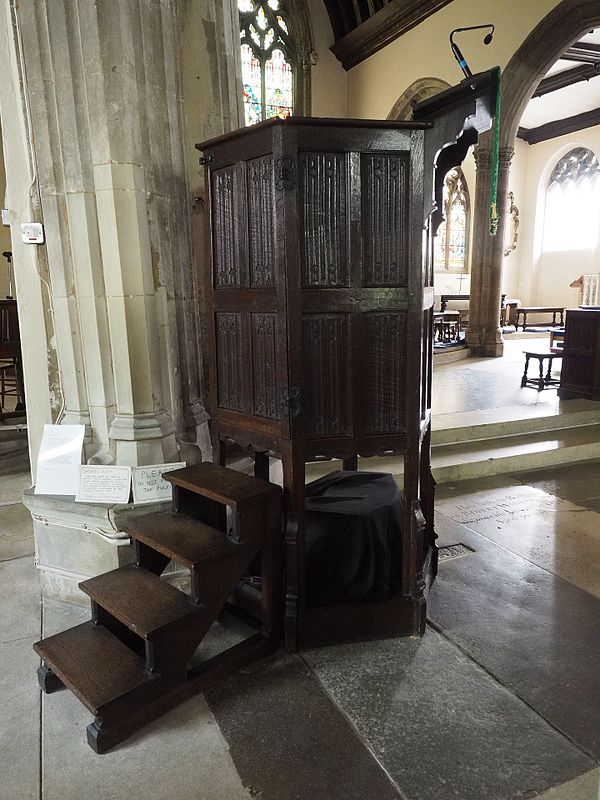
pixel 268 58
pixel 450 244
pixel 571 219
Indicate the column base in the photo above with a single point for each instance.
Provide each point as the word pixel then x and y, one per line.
pixel 486 343
pixel 76 541
pixel 141 439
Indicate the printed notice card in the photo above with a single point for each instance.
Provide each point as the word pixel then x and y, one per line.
pixel 148 483
pixel 103 484
pixel 59 459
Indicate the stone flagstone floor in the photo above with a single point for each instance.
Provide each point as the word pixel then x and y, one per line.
pixel 500 700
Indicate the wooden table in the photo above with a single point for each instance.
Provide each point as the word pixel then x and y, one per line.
pixel 554 310
pixel 446 326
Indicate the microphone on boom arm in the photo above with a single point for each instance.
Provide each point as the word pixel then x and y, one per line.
pixel 456 52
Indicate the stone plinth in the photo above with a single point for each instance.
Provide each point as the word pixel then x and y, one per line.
pixel 75 541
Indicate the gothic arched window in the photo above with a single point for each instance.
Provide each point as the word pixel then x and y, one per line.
pixel 450 244
pixel 572 213
pixel 269 60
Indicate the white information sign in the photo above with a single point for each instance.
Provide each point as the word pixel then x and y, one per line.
pixel 148 483
pixel 103 484
pixel 59 459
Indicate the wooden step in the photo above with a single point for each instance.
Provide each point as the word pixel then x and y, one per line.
pixel 177 536
pixel 140 600
pixel 220 484
pixel 94 664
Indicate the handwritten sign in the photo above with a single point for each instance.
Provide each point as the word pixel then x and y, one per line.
pixel 148 483
pixel 59 459
pixel 104 484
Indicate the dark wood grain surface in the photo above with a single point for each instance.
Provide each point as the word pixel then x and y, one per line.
pixel 93 663
pixel 139 599
pixel 179 537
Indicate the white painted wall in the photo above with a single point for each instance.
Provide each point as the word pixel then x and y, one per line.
pixel 375 85
pixel 329 79
pixel 537 277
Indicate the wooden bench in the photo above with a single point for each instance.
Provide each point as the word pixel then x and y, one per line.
pixel 524 311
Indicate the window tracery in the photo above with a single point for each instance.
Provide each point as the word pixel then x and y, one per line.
pixel 572 211
pixel 269 60
pixel 450 244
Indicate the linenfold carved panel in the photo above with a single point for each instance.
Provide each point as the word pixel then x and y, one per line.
pixel 323 219
pixel 577 372
pixel 326 369
pixel 226 260
pixel 582 331
pixel 261 234
pixel 264 389
pixel 385 372
pixel 229 360
pixel 384 181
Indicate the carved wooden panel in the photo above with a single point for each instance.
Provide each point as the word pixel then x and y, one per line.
pixel 229 360
pixel 326 400
pixel 261 234
pixel 384 182
pixel 323 219
pixel 385 373
pixel 581 332
pixel 226 259
pixel 577 372
pixel 264 389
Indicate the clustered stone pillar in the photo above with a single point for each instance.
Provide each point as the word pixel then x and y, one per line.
pixel 484 335
pixel 110 147
pixel 109 126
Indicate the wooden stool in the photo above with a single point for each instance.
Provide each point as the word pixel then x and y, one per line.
pixel 543 381
pixel 8 381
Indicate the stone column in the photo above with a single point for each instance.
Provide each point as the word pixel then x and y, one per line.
pixel 484 335
pixel 103 89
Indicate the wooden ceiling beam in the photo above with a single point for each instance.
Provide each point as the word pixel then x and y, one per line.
pixel 561 80
pixel 583 52
pixel 387 24
pixel 560 127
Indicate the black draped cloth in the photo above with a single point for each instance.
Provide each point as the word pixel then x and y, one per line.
pixel 353 537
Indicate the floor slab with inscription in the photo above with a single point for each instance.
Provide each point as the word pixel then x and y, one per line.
pixel 525 603
pixel 551 532
pixel 533 631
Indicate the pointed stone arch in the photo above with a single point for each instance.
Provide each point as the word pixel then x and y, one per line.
pixel 560 28
pixel 419 90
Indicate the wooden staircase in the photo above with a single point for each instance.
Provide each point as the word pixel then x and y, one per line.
pixel 131 662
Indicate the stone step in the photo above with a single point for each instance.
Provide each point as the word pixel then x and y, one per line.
pixel 517 453
pixel 480 457
pixel 500 422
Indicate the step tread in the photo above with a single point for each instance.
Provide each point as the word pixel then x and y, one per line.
pixel 140 599
pixel 220 483
pixel 182 538
pixel 94 664
pixel 507 446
